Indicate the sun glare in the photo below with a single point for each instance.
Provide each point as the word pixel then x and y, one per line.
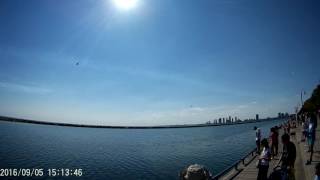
pixel 125 4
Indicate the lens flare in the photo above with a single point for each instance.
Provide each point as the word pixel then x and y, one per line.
pixel 125 4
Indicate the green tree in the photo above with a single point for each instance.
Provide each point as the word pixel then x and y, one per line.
pixel 313 103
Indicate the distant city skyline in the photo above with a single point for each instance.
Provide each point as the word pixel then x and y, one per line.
pixel 156 62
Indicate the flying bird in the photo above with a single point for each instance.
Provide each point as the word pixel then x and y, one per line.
pixel 77 64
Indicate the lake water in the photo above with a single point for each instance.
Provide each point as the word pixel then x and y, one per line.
pixel 125 153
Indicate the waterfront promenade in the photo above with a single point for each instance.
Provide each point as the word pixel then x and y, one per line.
pixel 248 170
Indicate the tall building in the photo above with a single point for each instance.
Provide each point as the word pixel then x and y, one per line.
pixel 257 117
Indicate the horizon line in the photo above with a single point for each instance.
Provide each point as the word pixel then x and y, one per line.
pixel 20 120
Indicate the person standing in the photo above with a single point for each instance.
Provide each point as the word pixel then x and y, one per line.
pixel 288 156
pixel 304 131
pixel 264 160
pixel 311 135
pixel 288 127
pixel 274 142
pixel 258 138
pixel 317 172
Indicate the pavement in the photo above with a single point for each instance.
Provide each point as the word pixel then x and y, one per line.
pixel 309 170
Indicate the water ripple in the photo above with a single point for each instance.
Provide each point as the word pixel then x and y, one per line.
pixel 124 154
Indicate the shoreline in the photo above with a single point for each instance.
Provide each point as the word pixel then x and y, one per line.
pixel 20 120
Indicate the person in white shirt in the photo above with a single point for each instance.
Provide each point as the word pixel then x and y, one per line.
pixel 258 138
pixel 264 160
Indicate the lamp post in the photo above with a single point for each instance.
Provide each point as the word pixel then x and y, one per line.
pixel 301 94
pixel 296 110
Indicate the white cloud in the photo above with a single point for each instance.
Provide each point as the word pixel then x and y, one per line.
pixel 24 88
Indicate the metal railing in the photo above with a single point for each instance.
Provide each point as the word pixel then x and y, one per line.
pixel 235 165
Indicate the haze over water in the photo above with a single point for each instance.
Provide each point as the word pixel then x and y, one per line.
pixel 125 153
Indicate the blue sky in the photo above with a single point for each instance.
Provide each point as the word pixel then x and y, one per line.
pixel 162 62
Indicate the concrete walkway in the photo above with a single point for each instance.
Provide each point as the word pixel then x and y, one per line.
pixel 309 170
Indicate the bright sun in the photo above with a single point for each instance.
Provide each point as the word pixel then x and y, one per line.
pixel 125 4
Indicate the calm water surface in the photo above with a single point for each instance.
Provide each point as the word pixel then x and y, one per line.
pixel 125 153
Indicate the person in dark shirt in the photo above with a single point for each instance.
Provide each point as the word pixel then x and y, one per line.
pixel 274 142
pixel 317 172
pixel 288 156
pixel 289 152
